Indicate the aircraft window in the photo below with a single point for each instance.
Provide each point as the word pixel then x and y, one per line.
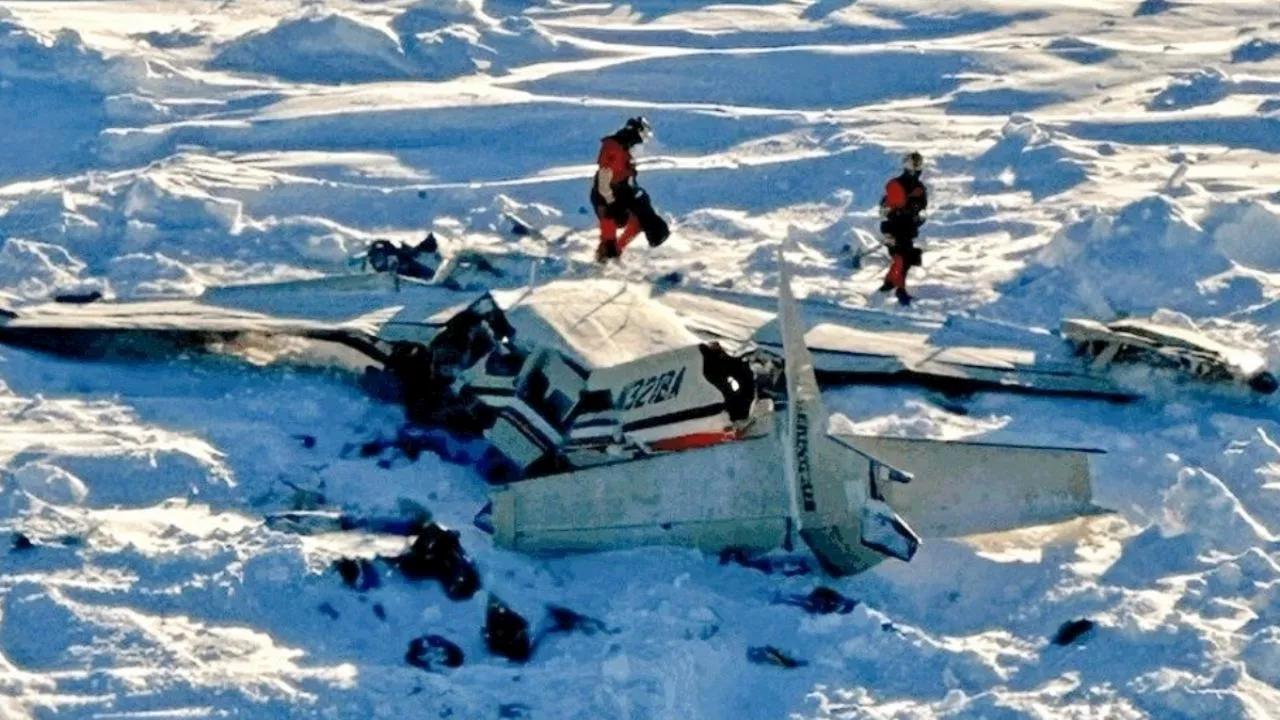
pixel 538 395
pixel 560 404
pixel 535 385
pixel 732 376
pixel 594 401
pixel 504 364
pixel 480 342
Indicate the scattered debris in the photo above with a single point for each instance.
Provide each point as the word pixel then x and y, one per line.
pixel 328 610
pixel 308 441
pixel 410 442
pixel 514 711
pixel 1161 345
pixel 380 612
pixel 83 298
pixel 312 522
pixel 952 402
pixel 430 652
pixel 518 227
pixel 770 655
pixel 1072 630
pixel 350 570
pixel 21 542
pixel 306 498
pixel 788 566
pixel 359 574
pixel 855 255
pixel 822 601
pixel 437 553
pixel 506 633
pixel 417 261
pixel 566 620
pixel 669 280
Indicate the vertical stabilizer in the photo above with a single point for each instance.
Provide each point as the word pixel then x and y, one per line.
pixel 842 518
pixel 804 400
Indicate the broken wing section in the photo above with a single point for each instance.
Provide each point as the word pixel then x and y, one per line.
pixel 844 517
pixel 968 488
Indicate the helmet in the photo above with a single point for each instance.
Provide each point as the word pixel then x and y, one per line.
pixel 640 127
pixel 636 130
pixel 913 162
pixel 381 255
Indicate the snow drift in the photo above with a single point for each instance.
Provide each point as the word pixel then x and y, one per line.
pixel 432 40
pixel 1100 265
pixel 324 49
pixel 1028 157
pixel 180 213
pixel 52 87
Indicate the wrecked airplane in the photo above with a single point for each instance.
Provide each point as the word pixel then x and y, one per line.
pixel 600 401
pixel 786 476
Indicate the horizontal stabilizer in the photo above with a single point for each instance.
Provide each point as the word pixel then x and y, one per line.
pixel 967 488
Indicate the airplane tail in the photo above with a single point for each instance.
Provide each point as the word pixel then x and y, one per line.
pixel 835 488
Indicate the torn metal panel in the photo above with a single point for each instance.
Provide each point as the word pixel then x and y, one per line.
pixel 1162 345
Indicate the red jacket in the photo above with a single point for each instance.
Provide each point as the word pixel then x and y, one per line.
pixel 617 160
pixel 905 198
pixel 904 193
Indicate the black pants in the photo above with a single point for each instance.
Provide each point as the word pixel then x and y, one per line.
pixel 630 201
pixel 624 200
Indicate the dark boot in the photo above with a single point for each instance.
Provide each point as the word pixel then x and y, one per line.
pixel 606 251
pixel 903 297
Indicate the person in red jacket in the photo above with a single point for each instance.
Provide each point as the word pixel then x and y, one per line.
pixel 613 191
pixel 901 209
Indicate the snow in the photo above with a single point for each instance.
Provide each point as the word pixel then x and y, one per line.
pixel 316 49
pixel 1086 159
pixel 1087 266
pixel 1202 87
